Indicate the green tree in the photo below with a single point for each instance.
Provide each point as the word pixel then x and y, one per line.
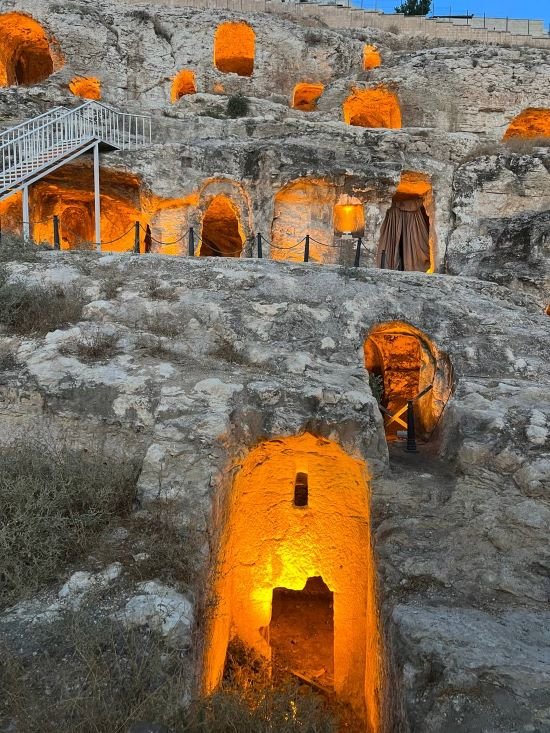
pixel 414 7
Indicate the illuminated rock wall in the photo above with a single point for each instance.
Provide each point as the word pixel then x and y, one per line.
pixel 268 543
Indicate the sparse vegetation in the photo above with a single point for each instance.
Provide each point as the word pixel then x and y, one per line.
pixel 27 308
pixel 16 249
pixel 157 290
pixel 53 503
pixel 93 345
pixel 526 146
pixel 237 106
pixel 414 7
pixel 313 38
pixel 376 383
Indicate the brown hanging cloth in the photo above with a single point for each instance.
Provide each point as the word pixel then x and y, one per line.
pixel 405 237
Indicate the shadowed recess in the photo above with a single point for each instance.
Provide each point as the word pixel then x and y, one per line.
pixel 183 83
pixel 222 234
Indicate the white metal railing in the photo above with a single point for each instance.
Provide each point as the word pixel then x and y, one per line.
pixel 36 145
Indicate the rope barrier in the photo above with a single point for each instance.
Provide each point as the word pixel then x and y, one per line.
pixel 158 241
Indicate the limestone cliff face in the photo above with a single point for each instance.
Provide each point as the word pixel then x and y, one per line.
pixel 237 352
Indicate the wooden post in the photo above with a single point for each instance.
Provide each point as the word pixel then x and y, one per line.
pixel 306 249
pixel 56 239
pixel 358 253
pixel 136 238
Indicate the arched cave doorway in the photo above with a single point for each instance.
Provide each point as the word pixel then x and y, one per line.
pixel 403 362
pixel 407 233
pixel 222 234
pixel 184 83
pixel 306 95
pixel 25 53
pixel 76 224
pixel 235 48
pixel 371 58
pixel 531 123
pixel 275 552
pixel 377 108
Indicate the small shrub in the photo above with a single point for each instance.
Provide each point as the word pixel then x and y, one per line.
pixel 93 345
pixel 394 29
pixel 37 309
pixel 111 285
pixel 157 290
pixel 376 383
pixel 475 62
pixel 313 38
pixel 53 502
pixel 16 249
pixel 162 324
pixel 7 361
pixel 526 146
pixel 237 106
pixel 141 15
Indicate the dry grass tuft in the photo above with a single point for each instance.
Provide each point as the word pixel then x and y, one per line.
pixel 37 309
pixel 54 502
pixel 16 249
pixel 93 345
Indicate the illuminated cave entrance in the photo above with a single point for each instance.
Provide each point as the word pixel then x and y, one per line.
pixel 531 123
pixel 306 95
pixel 406 237
pixel 295 575
pixel 404 363
pixel 301 633
pixel 378 107
pixel 235 48
pixel 25 55
pixel 222 234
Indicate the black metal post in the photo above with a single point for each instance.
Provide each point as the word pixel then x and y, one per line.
pixel 306 249
pixel 191 250
pixel 136 238
pixel 383 260
pixel 56 240
pixel 260 253
pixel 358 253
pixel 411 430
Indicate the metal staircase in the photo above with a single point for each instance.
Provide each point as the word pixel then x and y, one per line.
pixel 42 144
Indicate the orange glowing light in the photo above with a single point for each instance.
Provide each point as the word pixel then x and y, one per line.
pixel 27 54
pixel 305 96
pixel 86 87
pixel 183 83
pixel 408 362
pixel 235 48
pixel 371 58
pixel 531 123
pixel 349 218
pixel 267 542
pixel 222 234
pixel 377 108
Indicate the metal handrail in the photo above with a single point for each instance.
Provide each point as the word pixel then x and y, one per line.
pixel 12 132
pixel 37 147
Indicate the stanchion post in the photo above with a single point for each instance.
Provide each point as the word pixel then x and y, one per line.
pixel 411 430
pixel 306 249
pixel 260 253
pixel 191 242
pixel 358 253
pixel 56 240
pixel 136 238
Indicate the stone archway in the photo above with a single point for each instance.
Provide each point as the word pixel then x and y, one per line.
pixel 221 234
pixel 25 51
pixel 273 547
pixel 402 362
pixel 376 108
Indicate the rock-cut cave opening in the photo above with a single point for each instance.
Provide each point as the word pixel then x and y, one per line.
pixel 183 83
pixel 25 54
pixel 531 123
pixel 371 58
pixel 377 108
pixel 305 573
pixel 222 234
pixel 406 362
pixel 407 235
pixel 306 95
pixel 87 87
pixel 235 48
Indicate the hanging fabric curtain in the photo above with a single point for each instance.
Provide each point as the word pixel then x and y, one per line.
pixel 405 237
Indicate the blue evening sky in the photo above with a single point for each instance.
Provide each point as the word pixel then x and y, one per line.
pixel 536 9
